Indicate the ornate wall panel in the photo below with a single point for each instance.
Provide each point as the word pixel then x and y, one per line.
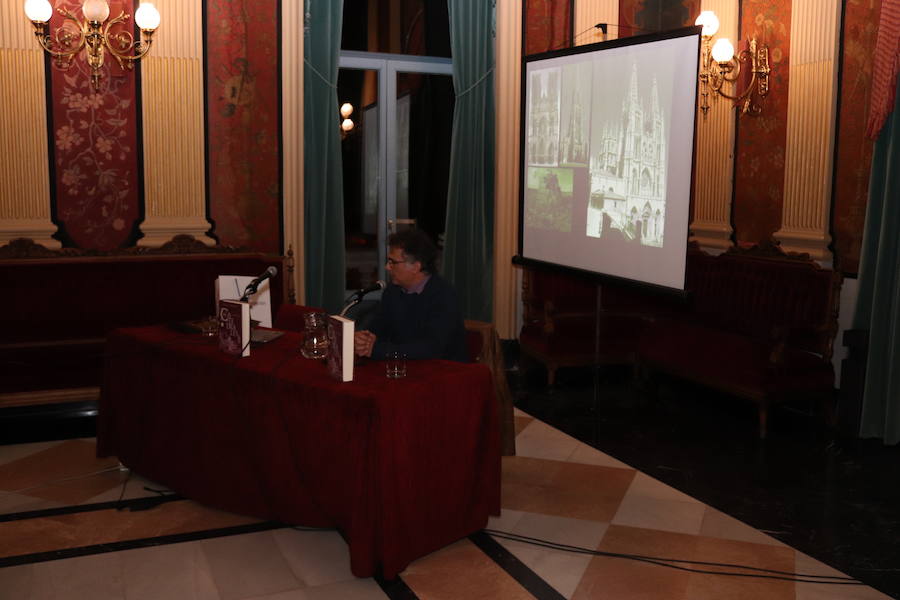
pixel 172 94
pixel 714 166
pixel 649 16
pixel 761 140
pixel 244 121
pixel 95 155
pixel 548 25
pixel 810 128
pixel 854 151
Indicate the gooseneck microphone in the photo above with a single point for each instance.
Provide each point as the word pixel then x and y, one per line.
pixel 357 296
pixel 271 271
pixel 378 285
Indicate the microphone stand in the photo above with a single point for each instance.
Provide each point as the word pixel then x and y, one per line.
pixel 357 298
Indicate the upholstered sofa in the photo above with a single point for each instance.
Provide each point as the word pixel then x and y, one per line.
pixel 58 306
pixel 758 324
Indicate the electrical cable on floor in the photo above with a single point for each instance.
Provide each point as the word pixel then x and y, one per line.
pixel 667 562
pixel 56 481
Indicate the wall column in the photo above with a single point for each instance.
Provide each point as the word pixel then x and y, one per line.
pixel 25 169
pixel 714 170
pixel 812 102
pixel 292 19
pixel 590 12
pixel 172 96
pixel 507 88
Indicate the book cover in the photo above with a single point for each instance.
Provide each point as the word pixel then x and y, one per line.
pixel 340 348
pixel 234 327
pixel 231 287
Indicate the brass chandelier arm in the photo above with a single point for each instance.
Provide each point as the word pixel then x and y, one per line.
pixel 125 40
pixel 49 44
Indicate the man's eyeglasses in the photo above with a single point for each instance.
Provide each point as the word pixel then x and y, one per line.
pixel 394 263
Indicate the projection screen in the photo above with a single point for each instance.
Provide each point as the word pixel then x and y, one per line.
pixel 607 157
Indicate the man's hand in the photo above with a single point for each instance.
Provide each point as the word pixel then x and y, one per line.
pixel 363 342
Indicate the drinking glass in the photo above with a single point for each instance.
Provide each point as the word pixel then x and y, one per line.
pixel 396 365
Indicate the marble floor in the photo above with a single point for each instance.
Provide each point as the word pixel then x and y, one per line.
pixel 73 526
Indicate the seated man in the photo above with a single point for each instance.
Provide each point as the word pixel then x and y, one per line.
pixel 418 314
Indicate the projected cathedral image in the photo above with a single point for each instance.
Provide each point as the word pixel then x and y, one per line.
pixel 628 166
pixel 611 124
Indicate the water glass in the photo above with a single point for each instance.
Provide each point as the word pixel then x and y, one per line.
pixel 396 365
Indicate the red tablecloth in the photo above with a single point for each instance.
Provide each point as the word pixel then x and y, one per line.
pixel 399 467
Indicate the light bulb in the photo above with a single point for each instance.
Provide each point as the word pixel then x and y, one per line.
pixel 346 109
pixel 146 16
pixel 722 50
pixel 347 125
pixel 38 10
pixel 709 21
pixel 95 10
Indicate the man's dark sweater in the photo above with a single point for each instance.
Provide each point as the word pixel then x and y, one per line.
pixel 425 325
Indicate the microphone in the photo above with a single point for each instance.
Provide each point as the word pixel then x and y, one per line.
pixel 378 285
pixel 271 271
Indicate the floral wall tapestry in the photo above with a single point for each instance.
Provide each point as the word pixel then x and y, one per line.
pixel 854 149
pixel 244 122
pixel 649 16
pixel 548 26
pixel 95 163
pixel 761 140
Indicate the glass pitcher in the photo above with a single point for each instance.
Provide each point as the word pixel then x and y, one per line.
pixel 315 335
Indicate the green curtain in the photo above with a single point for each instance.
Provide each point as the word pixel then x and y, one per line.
pixel 323 188
pixel 469 240
pixel 878 303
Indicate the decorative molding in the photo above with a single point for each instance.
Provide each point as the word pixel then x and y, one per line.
pixel 24 248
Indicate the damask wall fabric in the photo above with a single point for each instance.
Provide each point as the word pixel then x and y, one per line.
pixel 854 150
pixel 548 25
pixel 94 149
pixel 761 140
pixel 244 122
pixel 637 17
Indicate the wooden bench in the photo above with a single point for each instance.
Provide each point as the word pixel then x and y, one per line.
pixel 58 305
pixel 758 323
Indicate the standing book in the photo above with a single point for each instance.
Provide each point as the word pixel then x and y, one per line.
pixel 234 327
pixel 340 348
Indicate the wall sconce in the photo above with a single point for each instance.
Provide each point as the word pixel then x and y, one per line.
pixel 93 34
pixel 347 123
pixel 718 64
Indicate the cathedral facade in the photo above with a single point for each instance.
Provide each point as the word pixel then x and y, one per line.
pixel 628 169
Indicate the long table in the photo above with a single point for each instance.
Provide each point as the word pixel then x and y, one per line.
pixel 400 467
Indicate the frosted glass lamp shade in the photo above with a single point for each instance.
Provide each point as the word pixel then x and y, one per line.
pixel 95 10
pixel 709 21
pixel 147 17
pixel 347 125
pixel 346 109
pixel 38 10
pixel 722 50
